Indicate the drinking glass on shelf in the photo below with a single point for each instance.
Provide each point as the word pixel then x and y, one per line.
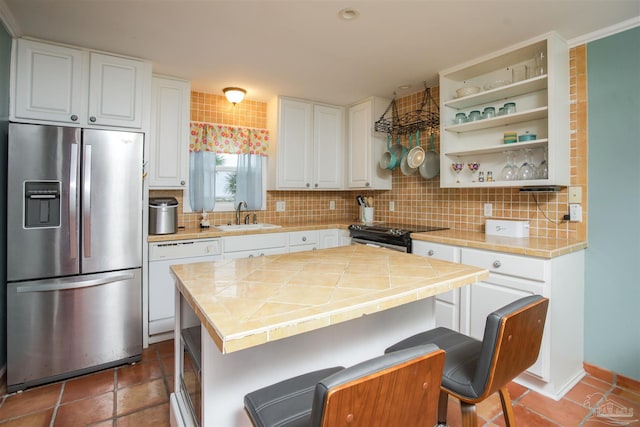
pixel 509 171
pixel 527 169
pixel 543 169
pixel 473 167
pixel 457 167
pixel 540 60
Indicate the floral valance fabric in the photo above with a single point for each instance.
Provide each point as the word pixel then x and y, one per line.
pixel 225 139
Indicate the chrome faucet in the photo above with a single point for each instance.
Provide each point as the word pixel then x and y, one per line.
pixel 240 206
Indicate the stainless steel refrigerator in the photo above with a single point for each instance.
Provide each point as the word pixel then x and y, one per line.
pixel 74 251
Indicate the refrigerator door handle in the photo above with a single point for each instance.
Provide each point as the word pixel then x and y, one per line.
pixel 32 287
pixel 73 202
pixel 87 201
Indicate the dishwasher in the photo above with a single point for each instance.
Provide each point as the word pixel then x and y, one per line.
pixel 162 255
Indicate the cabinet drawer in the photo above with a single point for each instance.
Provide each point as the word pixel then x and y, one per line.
pixel 303 248
pixel 254 241
pixel 303 238
pixel 436 250
pixel 512 265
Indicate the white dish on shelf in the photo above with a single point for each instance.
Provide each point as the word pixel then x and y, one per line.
pixel 496 84
pixel 466 91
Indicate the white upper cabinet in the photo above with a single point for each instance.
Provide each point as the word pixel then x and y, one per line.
pixel 328 147
pixel 66 85
pixel 48 82
pixel 365 147
pixel 307 145
pixel 169 133
pixel 115 91
pixel 539 89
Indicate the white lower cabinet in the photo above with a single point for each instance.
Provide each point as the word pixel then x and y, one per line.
pixel 329 238
pixel 252 245
pixel 561 279
pixel 345 237
pixel 447 304
pixel 300 241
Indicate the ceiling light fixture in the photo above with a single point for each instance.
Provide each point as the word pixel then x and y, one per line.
pixel 234 95
pixel 348 14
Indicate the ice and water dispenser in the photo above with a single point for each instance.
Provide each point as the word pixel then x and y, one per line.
pixel 42 204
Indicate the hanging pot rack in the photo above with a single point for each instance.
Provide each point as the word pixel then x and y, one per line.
pixel 420 120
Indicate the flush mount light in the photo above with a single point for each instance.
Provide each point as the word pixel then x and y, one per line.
pixel 234 95
pixel 348 14
pixel 404 87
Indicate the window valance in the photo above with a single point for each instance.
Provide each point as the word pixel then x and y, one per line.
pixel 223 139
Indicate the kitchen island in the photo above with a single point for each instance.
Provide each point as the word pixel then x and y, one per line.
pixel 263 319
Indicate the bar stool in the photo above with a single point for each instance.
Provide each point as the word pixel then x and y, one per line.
pixel 394 390
pixel 474 370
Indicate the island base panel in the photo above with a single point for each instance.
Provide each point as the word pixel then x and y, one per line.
pixel 226 378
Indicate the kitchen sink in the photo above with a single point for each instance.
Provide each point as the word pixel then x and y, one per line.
pixel 240 227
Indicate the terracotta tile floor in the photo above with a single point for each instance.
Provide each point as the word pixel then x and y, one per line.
pixel 138 396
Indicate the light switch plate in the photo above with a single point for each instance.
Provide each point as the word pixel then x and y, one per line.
pixel 281 206
pixel 575 194
pixel 488 209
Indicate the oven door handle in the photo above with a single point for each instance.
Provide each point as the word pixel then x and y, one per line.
pixel 357 241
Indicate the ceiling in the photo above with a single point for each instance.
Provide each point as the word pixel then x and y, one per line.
pixel 302 48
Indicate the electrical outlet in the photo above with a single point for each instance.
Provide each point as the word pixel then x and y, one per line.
pixel 281 206
pixel 332 205
pixel 575 212
pixel 392 206
pixel 488 209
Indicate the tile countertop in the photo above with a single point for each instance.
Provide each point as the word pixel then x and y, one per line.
pixel 246 302
pixel 529 246
pixel 213 232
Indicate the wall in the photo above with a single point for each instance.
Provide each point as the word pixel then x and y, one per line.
pixel 612 277
pixel 416 201
pixel 5 60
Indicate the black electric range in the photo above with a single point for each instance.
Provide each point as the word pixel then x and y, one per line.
pixel 393 236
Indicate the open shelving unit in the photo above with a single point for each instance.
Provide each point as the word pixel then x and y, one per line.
pixel 542 108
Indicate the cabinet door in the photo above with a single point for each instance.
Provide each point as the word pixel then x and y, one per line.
pixel 447 304
pixel 360 126
pixel 329 238
pixel 169 136
pixel 490 295
pixel 328 147
pixel 48 81
pixel 365 147
pixel 295 153
pixel 115 91
pixel 512 277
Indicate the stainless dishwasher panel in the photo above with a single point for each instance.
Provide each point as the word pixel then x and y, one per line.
pixel 58 328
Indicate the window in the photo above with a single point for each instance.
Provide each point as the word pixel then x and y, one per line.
pixel 227 164
pixel 226 174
